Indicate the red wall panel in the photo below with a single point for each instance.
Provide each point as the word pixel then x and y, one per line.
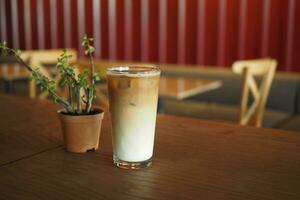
pixel 153 30
pixel 60 25
pixel 104 28
pixel 295 43
pixel 8 24
pixel 21 25
pixel 232 32
pixel 74 24
pixel 136 29
pixel 191 32
pixel 211 32
pixel 46 11
pixel 204 32
pixel 119 29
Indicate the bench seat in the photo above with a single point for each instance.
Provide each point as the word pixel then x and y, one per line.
pixel 215 111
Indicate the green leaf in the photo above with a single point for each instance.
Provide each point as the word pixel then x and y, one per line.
pixel 86 43
pixel 3 44
pixel 18 52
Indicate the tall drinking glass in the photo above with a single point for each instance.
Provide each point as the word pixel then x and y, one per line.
pixel 133 96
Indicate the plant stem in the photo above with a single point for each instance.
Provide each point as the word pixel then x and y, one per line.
pixel 70 95
pixel 70 76
pixel 90 94
pixel 20 60
pixel 92 68
pixel 79 109
pixel 59 99
pixel 63 102
pixel 89 100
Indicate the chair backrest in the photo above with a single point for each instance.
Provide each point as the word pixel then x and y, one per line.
pixel 38 59
pixel 265 68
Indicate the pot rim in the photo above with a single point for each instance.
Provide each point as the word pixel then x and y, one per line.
pixel 97 109
pixel 81 118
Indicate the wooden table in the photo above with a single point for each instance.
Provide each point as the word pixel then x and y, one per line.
pixel 181 87
pixel 170 87
pixel 193 159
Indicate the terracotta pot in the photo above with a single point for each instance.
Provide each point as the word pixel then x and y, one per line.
pixel 81 132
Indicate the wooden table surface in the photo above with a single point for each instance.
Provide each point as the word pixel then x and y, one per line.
pixel 182 87
pixel 170 87
pixel 193 159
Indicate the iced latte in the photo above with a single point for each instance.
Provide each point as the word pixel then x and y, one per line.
pixel 133 96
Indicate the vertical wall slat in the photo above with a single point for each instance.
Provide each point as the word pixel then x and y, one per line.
pixel 67 23
pixel 74 23
pixel 34 28
pixel 265 27
pixel 27 22
pixel 191 32
pixel 97 27
pixel 120 30
pixel 276 32
pixel 47 24
pixel 136 29
pixel 60 24
pixel 21 34
pixel 9 28
pixel 201 32
pixel 181 48
pixel 153 30
pixel 53 23
pixel 104 32
pixel 172 31
pixel 242 29
pixel 290 35
pixel 3 21
pixel 40 24
pixel 81 24
pixel 88 18
pixel 253 29
pixel 128 49
pixel 145 30
pixel 211 31
pixel 112 36
pixel 15 23
pixel 232 32
pixel 162 50
pixel 222 32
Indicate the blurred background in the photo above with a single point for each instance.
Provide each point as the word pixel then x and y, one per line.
pixel 203 32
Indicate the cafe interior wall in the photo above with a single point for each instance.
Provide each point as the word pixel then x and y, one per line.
pixel 203 32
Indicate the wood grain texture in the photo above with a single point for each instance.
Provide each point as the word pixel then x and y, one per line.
pixel 182 87
pixel 193 159
pixel 24 128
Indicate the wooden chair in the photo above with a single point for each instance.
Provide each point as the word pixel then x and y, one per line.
pixel 38 59
pixel 253 114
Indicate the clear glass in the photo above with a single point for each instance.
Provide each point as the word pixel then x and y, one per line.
pixel 133 96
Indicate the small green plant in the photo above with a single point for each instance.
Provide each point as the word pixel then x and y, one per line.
pixel 84 81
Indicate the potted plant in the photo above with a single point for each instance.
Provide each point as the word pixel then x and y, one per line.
pixel 80 122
